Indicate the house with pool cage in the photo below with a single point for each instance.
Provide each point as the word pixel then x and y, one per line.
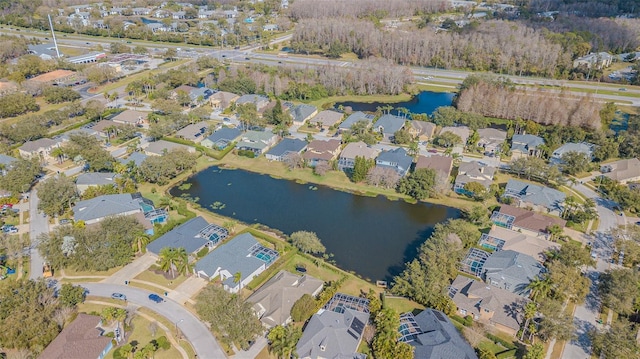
pixel 236 262
pixel 192 235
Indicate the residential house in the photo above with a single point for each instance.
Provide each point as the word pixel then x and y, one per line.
pixel 221 100
pixel 39 148
pixel 526 145
pixel 326 119
pixel 5 163
pixel 137 11
pixel 272 302
pixel 491 140
pixel 192 235
pixel 82 338
pixel 422 130
pixel 106 128
pixel 257 141
pixel 197 95
pixel 159 148
pixel 287 146
pixel 432 335
pixel 336 330
pixel 157 27
pixel 473 171
pixel 136 157
pixel 488 304
pixel 511 271
pixel 131 117
pixel 301 113
pixel 270 27
pixel 387 125
pixel 500 238
pixel 355 118
pixel 261 102
pixel 623 171
pixel 540 198
pixel 178 15
pixel 220 139
pixel 355 149
pixel 598 60
pixel 96 209
pixel 582 147
pixel 193 132
pixel 441 164
pixel 461 131
pixel 319 151
pixel 528 222
pixel 94 179
pixel 241 256
pixel 396 159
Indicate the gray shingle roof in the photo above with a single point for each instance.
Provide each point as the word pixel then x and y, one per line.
pixel 187 236
pixel 224 134
pixel 389 123
pixel 159 147
pixel 582 147
pixel 526 142
pixel 104 206
pixel 327 335
pixel 511 271
pixel 6 160
pixel 439 338
pixel 355 117
pixel 288 145
pixel 233 256
pixel 397 159
pixel 534 194
pixel 31 146
pixel 136 157
pixel 302 112
pixel 96 178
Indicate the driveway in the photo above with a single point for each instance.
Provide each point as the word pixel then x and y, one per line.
pixel 38 224
pixel 203 342
pixel 586 314
pixel 132 269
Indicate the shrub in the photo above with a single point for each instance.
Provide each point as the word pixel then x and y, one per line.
pixel 163 343
pixel 303 308
pixel 246 153
pixel 468 321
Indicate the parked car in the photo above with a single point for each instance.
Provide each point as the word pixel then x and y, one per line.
pixel 156 298
pixel 65 221
pixel 119 296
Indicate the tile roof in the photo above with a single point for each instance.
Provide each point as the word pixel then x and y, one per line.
pixel 462 131
pixel 302 112
pixel 276 297
pixel 530 220
pixel 80 339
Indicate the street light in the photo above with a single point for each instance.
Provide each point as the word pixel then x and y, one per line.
pixel 177 333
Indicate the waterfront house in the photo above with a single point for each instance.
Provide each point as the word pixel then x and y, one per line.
pixel 473 171
pixel 272 302
pixel 258 142
pixel 351 151
pixel 220 139
pixel 319 151
pixel 511 270
pixel 301 113
pixel 525 221
pixel 422 130
pixel 192 235
pixel 396 159
pixel 539 198
pixel 241 256
pixel 355 118
pixel 388 125
pixel 286 147
pixel 159 148
pixel 491 140
pixel 441 164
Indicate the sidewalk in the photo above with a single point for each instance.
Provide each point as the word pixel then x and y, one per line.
pixel 132 270
pixel 188 289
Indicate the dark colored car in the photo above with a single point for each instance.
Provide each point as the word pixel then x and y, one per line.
pixel 156 298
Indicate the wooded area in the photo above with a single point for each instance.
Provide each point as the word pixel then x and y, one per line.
pixel 500 46
pixel 495 97
pixel 301 9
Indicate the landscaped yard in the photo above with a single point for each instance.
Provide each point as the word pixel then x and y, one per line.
pixel 150 276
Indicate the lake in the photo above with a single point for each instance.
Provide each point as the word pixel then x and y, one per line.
pixel 373 237
pixel 424 102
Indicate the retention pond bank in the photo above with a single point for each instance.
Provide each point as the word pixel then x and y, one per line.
pixel 372 236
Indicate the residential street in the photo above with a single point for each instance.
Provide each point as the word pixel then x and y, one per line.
pixel 38 224
pixel 203 342
pixel 586 314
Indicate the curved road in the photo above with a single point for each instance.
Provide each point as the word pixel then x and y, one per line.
pixel 586 314
pixel 203 342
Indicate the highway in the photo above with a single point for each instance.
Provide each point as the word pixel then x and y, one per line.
pixel 422 74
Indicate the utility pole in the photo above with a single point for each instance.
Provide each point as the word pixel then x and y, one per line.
pixel 53 35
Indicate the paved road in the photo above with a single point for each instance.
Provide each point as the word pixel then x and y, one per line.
pixel 586 314
pixel 38 224
pixel 203 342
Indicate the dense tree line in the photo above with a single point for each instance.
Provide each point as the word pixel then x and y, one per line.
pixel 12 47
pixel 301 9
pixel 15 104
pixel 55 94
pixel 498 98
pixel 160 169
pixel 500 46
pixel 21 176
pixel 90 150
pixel 76 246
pixel 589 8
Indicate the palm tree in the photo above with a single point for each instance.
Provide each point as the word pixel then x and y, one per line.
pixel 168 260
pixel 58 153
pixel 183 265
pixel 529 312
pixel 404 111
pixel 237 278
pixel 141 241
pixel 540 287
pixel 555 231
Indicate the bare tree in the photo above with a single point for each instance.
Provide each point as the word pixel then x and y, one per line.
pixel 321 168
pixel 293 160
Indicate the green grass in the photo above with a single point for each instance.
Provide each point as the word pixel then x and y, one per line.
pixel 367 99
pixel 403 305
pixel 150 276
